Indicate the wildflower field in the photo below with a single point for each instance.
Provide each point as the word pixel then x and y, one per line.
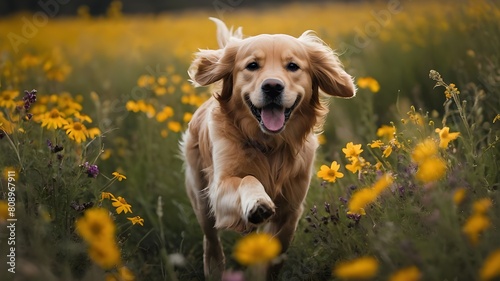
pixel 407 175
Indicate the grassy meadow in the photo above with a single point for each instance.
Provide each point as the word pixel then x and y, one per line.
pixel 406 182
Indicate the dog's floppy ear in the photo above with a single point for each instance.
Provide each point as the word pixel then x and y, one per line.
pixel 326 68
pixel 210 66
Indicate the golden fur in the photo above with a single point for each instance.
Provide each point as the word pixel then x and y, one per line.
pixel 249 150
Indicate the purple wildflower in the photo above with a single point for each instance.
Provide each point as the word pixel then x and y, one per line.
pixel 92 170
pixel 29 98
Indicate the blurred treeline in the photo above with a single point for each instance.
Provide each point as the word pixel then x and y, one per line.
pixel 99 7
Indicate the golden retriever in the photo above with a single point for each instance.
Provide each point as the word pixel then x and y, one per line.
pixel 249 149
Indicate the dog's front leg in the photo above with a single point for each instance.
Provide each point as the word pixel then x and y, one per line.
pixel 238 203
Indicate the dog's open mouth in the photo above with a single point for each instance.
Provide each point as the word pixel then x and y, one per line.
pixel 272 117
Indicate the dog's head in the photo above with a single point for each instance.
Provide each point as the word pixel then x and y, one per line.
pixel 274 79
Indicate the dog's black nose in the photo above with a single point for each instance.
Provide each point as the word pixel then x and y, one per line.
pixel 272 87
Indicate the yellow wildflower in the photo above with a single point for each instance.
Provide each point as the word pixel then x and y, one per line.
pixel 256 248
pixel 360 199
pixel 445 136
pixel 431 169
pixel 76 131
pixel 121 205
pixel 162 80
pixel 424 150
pixel 387 151
pixel 95 225
pixel 186 88
pixel 352 150
pixel 136 219
pixel 119 176
pixel 105 253
pixel 164 133
pixel 481 206
pixel 145 81
pixel 53 119
pixel 331 173
pixel 176 78
pixel 355 165
pixel 384 182
pixel 107 195
pixel 174 126
pixel 376 144
pixel 360 268
pixel 7 99
pixel 5 125
pixel 474 226
pixel 160 90
pixel 459 195
pixel 411 273
pixel 166 113
pixel 132 106
pixel 93 132
pixel 386 132
pixel 82 117
pixel 188 115
pixel 370 83
pixel 491 266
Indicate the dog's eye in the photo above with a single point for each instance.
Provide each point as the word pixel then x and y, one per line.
pixel 252 66
pixel 292 67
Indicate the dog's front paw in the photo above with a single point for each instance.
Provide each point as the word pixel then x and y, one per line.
pixel 260 212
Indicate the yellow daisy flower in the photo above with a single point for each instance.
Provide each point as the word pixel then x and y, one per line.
pixel 474 226
pixel 376 144
pixel 411 273
pixel 360 199
pixel 445 136
pixel 76 131
pixel 107 195
pixel 352 150
pixel 166 113
pixel 360 268
pixel 54 119
pixel 188 115
pixel 369 83
pixel 121 205
pixel 174 126
pixel 424 150
pixel 331 173
pixel 386 132
pixel 459 195
pixel 95 225
pixel 105 253
pixel 119 176
pixel 6 125
pixel 431 169
pixel 481 206
pixel 256 248
pixel 354 166
pixel 137 219
pixel 162 80
pixel 387 151
pixel 7 99
pixel 491 266
pixel 82 117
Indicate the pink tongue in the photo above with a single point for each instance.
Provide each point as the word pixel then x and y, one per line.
pixel 273 118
